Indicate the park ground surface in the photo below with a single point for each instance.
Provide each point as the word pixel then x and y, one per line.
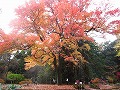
pixel 64 87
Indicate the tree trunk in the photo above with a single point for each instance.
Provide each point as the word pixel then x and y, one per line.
pixel 58 71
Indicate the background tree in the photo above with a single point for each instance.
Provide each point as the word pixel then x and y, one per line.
pixel 46 75
pixel 96 63
pixel 4 64
pixel 117 54
pixel 116 46
pixel 19 56
pixel 110 52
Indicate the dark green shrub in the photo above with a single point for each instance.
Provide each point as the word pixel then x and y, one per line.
pixel 95 86
pixel 15 78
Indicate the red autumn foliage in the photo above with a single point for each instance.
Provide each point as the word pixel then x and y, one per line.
pixel 113 12
pixel 57 23
pixel 118 75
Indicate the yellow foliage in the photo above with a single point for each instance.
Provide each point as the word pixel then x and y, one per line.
pixel 117 47
pixel 39 53
pixel 75 62
pixel 78 56
pixel 86 46
pixel 70 44
pixel 42 54
pixel 30 62
pixel 50 61
pixel 84 61
pixel 76 53
pixel 45 58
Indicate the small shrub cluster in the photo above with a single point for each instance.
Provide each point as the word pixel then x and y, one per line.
pixel 111 79
pixel 2 81
pixel 95 83
pixel 95 86
pixel 96 80
pixel 15 78
pixel 26 81
pixel 13 87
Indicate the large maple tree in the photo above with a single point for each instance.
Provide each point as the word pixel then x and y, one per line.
pixel 55 28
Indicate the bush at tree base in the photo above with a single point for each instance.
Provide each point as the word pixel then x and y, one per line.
pixel 15 78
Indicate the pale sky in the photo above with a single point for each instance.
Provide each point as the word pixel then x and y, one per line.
pixel 7 13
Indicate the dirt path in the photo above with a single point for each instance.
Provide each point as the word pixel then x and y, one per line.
pixel 63 87
pixel 47 87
